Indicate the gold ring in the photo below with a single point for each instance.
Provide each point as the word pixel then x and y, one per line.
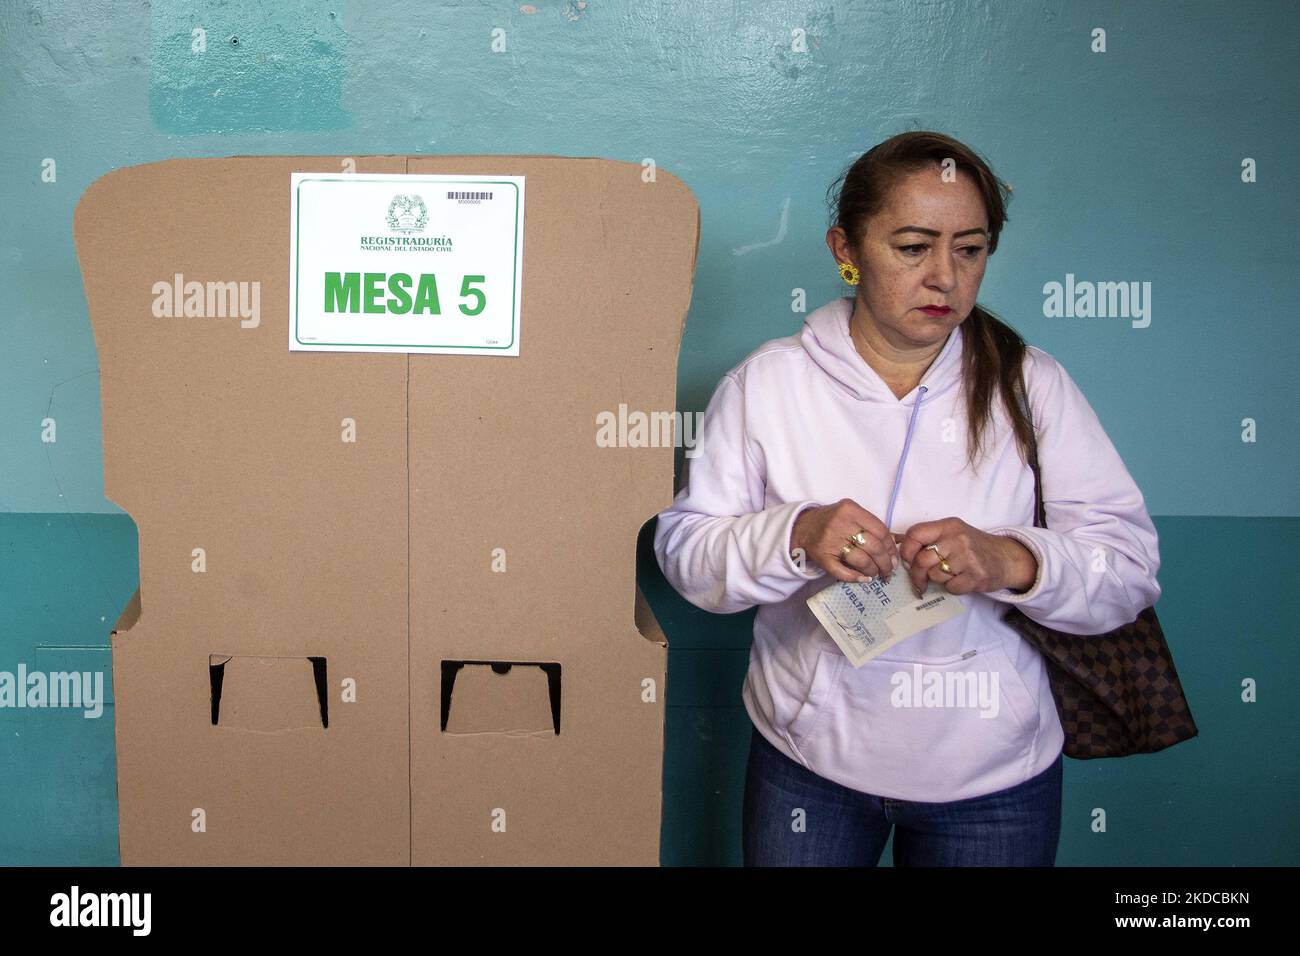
pixel 859 539
pixel 844 551
pixel 943 561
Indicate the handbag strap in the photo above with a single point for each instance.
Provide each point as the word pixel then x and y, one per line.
pixel 1040 515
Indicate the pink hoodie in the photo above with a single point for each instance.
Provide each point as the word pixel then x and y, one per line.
pixel 804 421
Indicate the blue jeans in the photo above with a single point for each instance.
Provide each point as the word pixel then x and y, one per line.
pixel 839 826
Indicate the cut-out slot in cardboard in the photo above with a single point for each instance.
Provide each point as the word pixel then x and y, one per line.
pixel 500 697
pixel 268 694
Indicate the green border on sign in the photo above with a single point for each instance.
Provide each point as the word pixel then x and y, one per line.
pixel 514 285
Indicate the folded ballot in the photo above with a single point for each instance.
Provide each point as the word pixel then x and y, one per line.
pixel 865 620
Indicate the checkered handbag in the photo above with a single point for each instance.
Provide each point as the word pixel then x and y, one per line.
pixel 1116 693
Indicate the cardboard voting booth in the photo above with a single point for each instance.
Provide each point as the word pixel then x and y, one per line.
pixel 387 611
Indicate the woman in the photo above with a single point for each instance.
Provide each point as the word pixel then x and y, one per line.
pixel 798 482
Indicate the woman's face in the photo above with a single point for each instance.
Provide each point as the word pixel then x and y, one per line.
pixel 927 247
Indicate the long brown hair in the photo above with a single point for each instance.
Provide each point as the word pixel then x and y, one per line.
pixel 992 351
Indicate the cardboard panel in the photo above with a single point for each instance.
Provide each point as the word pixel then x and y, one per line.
pixel 217 438
pixel 194 794
pixel 504 455
pixel 266 540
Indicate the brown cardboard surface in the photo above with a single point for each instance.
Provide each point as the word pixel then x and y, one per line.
pixel 374 559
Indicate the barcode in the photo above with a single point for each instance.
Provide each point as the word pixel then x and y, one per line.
pixel 469 195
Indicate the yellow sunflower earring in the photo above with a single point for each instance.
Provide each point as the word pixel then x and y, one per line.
pixel 849 273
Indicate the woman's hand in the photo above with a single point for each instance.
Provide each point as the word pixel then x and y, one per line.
pixel 822 533
pixel 980 562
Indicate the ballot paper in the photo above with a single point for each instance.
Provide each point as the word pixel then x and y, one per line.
pixel 865 620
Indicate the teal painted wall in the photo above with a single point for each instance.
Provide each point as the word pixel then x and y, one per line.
pixel 1126 165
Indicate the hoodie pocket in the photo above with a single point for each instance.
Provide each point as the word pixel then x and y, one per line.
pixel 814 707
pixel 1021 699
pixel 928 730
pixel 983 679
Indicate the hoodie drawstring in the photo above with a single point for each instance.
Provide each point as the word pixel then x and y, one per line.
pixel 907 443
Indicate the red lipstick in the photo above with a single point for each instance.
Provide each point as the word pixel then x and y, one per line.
pixel 936 310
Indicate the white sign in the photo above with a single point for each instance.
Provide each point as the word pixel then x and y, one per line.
pixel 386 262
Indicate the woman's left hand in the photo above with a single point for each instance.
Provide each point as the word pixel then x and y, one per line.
pixel 979 562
